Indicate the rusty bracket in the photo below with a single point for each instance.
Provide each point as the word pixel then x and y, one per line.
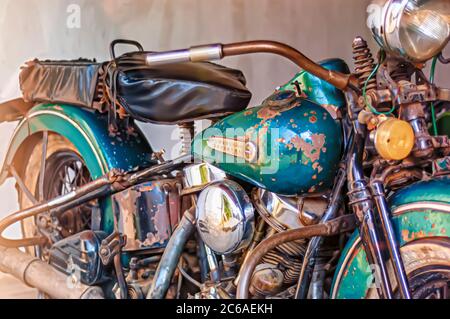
pixel 111 246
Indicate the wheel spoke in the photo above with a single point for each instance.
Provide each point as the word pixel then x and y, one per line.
pixel 71 173
pixel 79 174
pixel 22 185
pixel 43 165
pixel 445 292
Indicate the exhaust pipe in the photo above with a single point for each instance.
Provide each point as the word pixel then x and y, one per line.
pixel 38 274
pixel 171 256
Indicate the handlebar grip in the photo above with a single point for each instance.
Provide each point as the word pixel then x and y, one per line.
pixel 209 52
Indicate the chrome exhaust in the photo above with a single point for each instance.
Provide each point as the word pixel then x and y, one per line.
pixel 171 256
pixel 38 274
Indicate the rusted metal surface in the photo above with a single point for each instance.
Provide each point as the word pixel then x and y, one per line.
pixel 337 79
pixel 218 51
pixel 90 190
pixel 266 281
pixel 414 114
pixel 111 183
pixel 333 227
pixel 148 213
pixel 364 63
pixel 298 145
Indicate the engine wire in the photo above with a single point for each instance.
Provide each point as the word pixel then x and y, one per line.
pixel 188 277
pixel 433 111
pixel 374 72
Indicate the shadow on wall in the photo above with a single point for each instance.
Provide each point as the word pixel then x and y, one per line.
pixel 50 29
pixel 68 29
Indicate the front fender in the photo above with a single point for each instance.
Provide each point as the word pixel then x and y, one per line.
pixel 421 210
pixel 87 130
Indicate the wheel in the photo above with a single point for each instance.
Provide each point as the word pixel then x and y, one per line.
pixel 64 171
pixel 427 265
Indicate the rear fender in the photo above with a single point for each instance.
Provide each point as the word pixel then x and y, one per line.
pixel 87 130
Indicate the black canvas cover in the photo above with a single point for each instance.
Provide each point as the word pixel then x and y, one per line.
pixel 168 94
pixel 70 82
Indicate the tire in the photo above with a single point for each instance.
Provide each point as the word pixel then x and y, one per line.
pixel 427 265
pixel 57 148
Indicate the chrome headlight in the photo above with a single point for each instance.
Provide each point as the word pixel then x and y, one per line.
pixel 414 29
pixel 225 217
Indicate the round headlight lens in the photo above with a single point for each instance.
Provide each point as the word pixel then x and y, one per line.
pixel 424 28
pixel 414 29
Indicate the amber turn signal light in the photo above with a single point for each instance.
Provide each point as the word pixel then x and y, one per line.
pixel 394 139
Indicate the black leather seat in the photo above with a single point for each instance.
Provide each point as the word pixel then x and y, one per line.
pixel 178 93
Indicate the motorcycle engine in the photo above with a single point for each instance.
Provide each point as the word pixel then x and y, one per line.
pixel 226 224
pixel 224 212
pixel 225 217
pixel 78 257
pixel 280 268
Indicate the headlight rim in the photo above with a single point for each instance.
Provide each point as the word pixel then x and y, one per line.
pixel 390 41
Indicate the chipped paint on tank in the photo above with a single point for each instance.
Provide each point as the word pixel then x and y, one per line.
pixel 310 150
pixel 318 90
pixel 303 155
pixel 268 113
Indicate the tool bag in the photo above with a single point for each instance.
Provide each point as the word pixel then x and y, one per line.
pixel 68 82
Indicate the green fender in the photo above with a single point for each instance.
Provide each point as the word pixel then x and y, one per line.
pixel 421 210
pixel 87 130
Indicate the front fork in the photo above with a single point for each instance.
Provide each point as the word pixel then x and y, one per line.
pixel 376 231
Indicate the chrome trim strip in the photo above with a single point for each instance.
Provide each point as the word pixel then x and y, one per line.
pixel 421 205
pixel 72 122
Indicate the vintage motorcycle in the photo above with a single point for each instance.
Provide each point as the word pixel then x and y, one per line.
pixel 336 186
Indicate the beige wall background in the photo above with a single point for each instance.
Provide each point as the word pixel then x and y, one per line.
pixel 38 28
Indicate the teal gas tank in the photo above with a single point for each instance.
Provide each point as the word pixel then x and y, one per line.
pixel 289 145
